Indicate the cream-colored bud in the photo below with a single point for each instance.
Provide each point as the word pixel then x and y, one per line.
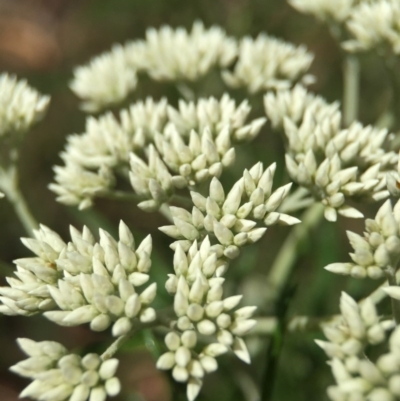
pixel 224 320
pixel 182 356
pixel 122 326
pixel 148 295
pixel 180 374
pixel 358 272
pixel 231 252
pixel 217 191
pixel 148 315
pixel 206 327
pixel 189 338
pixel 100 322
pixel 394 385
pixel 184 323
pixel 108 368
pixel 133 305
pixel 166 361
pixel 172 341
pixel 381 256
pixel 225 337
pixel 195 312
pixel 209 363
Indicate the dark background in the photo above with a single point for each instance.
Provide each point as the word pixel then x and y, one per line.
pixel 42 41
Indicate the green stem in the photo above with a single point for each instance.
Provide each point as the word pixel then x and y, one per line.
pixel 284 261
pixel 10 186
pixel 351 88
pixel 391 275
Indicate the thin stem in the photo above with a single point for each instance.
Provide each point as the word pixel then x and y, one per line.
pixel 10 186
pixel 114 347
pixel 351 88
pixel 284 261
pixel 391 275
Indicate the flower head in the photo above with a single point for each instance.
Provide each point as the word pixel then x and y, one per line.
pixel 20 105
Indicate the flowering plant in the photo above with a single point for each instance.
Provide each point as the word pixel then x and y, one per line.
pixel 170 159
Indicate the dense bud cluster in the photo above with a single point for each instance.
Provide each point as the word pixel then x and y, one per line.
pixel 83 281
pixel 60 376
pixel 268 63
pixel 202 312
pixel 232 218
pixel 293 103
pixel 183 147
pixel 368 380
pixel 378 251
pixel 325 10
pixel 350 333
pixel 333 164
pixel 21 105
pixel 375 25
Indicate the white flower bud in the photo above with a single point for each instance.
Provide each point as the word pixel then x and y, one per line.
pixel 172 341
pixel 180 374
pixel 206 327
pixel 195 312
pixel 189 338
pixel 209 363
pixel 166 361
pixel 100 322
pixel 182 356
pixel 148 315
pixel 122 326
pixel 112 386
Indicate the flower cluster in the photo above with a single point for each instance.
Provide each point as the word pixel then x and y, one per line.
pixel 179 55
pixel 333 164
pixel 202 313
pixel 325 10
pixel 106 80
pixel 21 105
pixel 83 281
pixel 165 54
pixel 293 103
pixel 375 25
pixel 268 63
pixel 183 147
pixel 368 380
pixel 168 55
pixel 378 250
pixel 356 327
pixel 60 376
pixel 232 218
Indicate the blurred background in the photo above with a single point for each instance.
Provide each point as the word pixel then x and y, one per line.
pixel 42 41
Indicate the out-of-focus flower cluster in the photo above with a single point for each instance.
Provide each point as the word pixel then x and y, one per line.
pixel 20 105
pixel 60 376
pixel 350 332
pixel 368 380
pixel 203 315
pixel 332 163
pixel 378 250
pixel 182 147
pixel 179 55
pixel 232 218
pixel 83 281
pixel 375 25
pixel 268 63
pixel 325 10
